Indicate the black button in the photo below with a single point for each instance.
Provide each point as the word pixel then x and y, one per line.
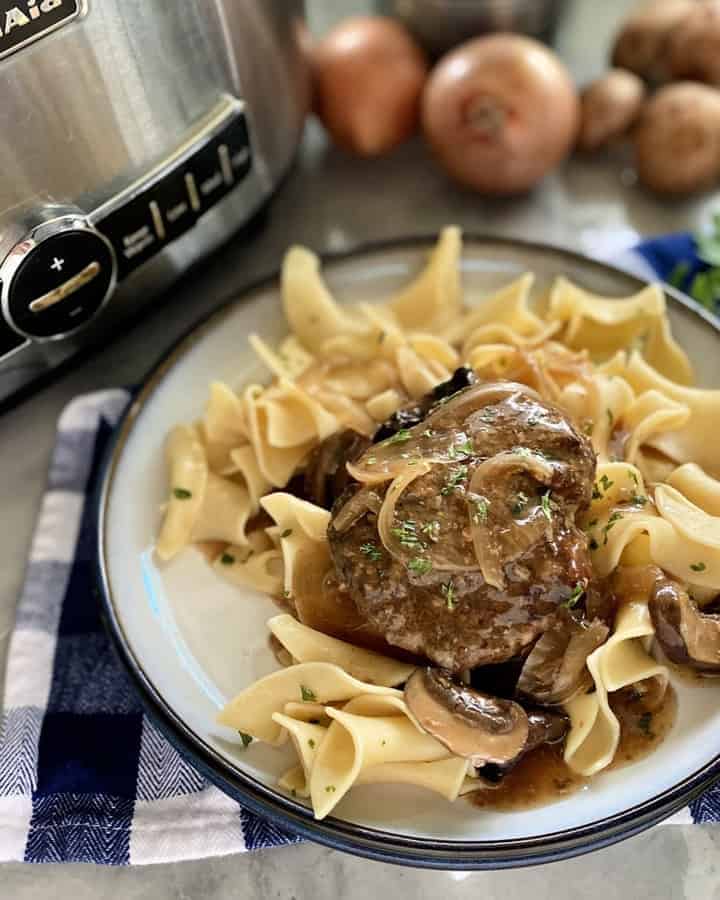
pixel 60 284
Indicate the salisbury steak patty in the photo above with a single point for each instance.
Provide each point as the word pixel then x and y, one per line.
pixel 457 540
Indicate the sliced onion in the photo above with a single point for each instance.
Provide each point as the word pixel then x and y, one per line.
pixel 497 537
pixel 386 516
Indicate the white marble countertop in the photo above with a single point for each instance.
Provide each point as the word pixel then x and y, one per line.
pixel 332 201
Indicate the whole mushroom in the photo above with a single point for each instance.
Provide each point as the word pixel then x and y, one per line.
pixel 609 107
pixel 642 43
pixel 677 139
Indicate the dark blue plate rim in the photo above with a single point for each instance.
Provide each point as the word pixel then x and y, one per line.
pixel 284 811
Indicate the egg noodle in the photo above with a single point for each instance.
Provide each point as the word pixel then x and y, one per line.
pixel 611 364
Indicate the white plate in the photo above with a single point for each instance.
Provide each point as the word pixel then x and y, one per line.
pixel 192 641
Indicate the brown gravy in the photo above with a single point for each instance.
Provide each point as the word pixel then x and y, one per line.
pixel 538 779
pixel 542 777
pixel 644 724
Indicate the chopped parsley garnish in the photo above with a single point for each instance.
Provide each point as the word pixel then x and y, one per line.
pixel 406 533
pixel 307 695
pixel 588 427
pixel 638 500
pixel 545 505
pixel 615 517
pixel 311 743
pixel 286 594
pixel 399 437
pixel 371 551
pixel 519 504
pixel 286 533
pixel 428 433
pixel 610 417
pixel 592 523
pixel 466 448
pixel 480 513
pixel 575 596
pixel 644 723
pixel 431 529
pixel 381 337
pixel 181 493
pixel 606 483
pixel 596 495
pixel 330 789
pixel 457 475
pixel 448 592
pixel 698 567
pixel 227 559
pixel 419 566
pixel 245 738
pixel 634 478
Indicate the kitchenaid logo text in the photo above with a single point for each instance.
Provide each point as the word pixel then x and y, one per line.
pixel 28 20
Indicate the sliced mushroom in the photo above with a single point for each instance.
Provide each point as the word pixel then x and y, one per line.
pixel 687 635
pixel 546 727
pixel 476 726
pixel 555 669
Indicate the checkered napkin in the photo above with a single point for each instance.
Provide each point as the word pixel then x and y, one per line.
pixel 84 776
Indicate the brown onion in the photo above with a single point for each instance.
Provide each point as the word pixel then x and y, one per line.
pixel 369 75
pixel 500 112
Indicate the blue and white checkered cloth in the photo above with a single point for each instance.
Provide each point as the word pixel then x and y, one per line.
pixel 84 776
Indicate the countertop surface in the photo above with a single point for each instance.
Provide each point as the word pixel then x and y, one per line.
pixel 333 202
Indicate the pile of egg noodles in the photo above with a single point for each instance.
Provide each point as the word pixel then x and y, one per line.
pixel 611 364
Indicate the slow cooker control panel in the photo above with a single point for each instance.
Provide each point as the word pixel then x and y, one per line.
pixel 164 205
pixel 61 272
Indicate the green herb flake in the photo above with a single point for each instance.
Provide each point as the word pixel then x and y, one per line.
pixel 575 596
pixel 592 523
pixel 381 337
pixel 330 789
pixel 634 478
pixel 610 417
pixel 307 695
pixel 227 559
pixel 431 530
pixel 465 448
pixel 399 437
pixel 448 592
pixel 419 566
pixel 606 483
pixel 454 481
pixel 588 427
pixel 181 493
pixel 679 273
pixel 638 500
pixel 286 533
pixel 644 723
pixel 614 518
pixel 545 505
pixel 428 433
pixel 286 594
pixel 311 743
pixel 407 535
pixel 698 567
pixel 245 738
pixel 371 551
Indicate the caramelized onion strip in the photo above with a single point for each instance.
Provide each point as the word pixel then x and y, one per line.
pixel 386 516
pixel 498 538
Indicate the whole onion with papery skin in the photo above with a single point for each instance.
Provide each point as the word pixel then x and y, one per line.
pixel 500 112
pixel 369 74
